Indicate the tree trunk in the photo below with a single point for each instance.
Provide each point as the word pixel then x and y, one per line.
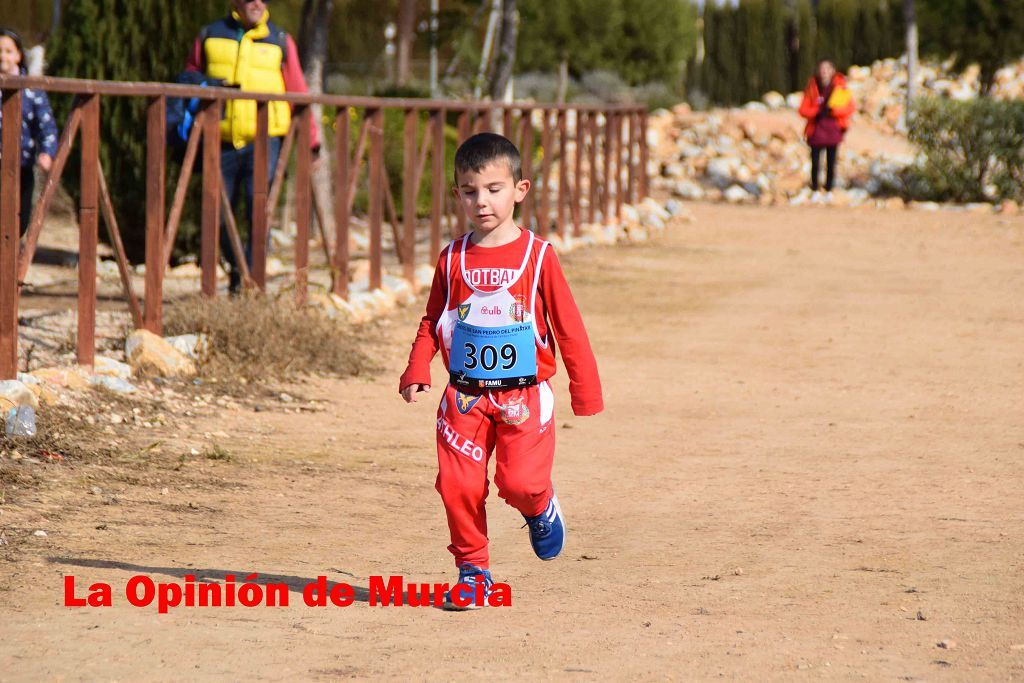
pixel 485 54
pixel 506 52
pixel 55 19
pixel 316 16
pixel 406 37
pixel 563 80
pixel 910 17
pixel 434 9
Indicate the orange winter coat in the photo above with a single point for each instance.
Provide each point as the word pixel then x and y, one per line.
pixel 840 102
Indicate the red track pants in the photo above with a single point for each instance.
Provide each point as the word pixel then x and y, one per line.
pixel 522 434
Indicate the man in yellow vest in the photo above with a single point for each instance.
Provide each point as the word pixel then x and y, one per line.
pixel 248 51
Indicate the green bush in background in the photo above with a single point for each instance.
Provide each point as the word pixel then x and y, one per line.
pixel 969 151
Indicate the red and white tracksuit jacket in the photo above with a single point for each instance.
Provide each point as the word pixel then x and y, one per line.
pixel 489 287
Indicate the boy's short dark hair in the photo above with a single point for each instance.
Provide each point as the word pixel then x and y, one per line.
pixel 485 148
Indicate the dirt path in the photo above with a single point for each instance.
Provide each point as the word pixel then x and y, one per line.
pixel 810 466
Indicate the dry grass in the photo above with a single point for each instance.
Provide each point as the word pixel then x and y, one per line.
pixel 61 433
pixel 257 338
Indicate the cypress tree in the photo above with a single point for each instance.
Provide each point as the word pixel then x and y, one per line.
pixel 711 73
pixel 867 33
pixel 730 54
pixel 835 35
pixel 776 61
pixel 125 40
pixel 754 44
pixel 808 51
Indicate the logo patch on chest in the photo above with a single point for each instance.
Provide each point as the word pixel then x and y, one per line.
pixel 517 311
pixel 464 310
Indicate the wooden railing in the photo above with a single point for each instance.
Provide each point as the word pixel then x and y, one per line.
pixel 615 133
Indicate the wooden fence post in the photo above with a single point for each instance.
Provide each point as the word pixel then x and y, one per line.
pixel 303 200
pixel 10 181
pixel 376 198
pixel 211 197
pixel 410 189
pixel 88 230
pixel 438 183
pixel 341 205
pixel 156 139
pixel 258 228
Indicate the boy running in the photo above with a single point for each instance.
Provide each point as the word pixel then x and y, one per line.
pixel 498 304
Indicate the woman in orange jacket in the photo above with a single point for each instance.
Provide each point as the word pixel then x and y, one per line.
pixel 827 106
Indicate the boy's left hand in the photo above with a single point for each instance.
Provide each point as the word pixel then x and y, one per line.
pixel 45 161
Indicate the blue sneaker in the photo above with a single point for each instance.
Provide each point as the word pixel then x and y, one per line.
pixel 470 575
pixel 547 530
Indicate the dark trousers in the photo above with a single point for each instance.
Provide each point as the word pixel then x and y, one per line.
pixel 236 167
pixel 28 185
pixel 830 166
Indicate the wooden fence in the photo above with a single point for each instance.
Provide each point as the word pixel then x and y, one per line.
pixel 608 152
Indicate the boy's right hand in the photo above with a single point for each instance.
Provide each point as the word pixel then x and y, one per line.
pixel 409 392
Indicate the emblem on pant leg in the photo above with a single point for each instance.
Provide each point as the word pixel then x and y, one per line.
pixel 515 412
pixel 465 402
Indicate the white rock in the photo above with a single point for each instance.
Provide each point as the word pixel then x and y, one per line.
pixel 276 267
pixel 674 207
pixel 721 170
pixel 755 106
pixel 630 214
pixel 774 100
pixel 190 345
pixel 424 275
pixel 111 368
pixel 736 195
pixel 107 270
pixel 651 205
pixel 150 355
pixel 399 288
pixel 281 239
pixel 687 189
pixel 118 384
pixel 689 150
pixel 653 221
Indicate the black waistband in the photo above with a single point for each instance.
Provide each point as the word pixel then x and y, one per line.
pixel 462 380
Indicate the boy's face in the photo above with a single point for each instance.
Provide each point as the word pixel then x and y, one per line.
pixel 489 196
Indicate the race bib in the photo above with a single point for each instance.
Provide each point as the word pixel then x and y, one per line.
pixel 493 357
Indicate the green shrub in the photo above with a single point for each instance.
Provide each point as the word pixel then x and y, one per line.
pixel 968 151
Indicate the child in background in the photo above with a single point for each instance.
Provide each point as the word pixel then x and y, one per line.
pixel 497 303
pixel 38 127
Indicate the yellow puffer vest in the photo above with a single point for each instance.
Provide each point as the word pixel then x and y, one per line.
pixel 252 61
